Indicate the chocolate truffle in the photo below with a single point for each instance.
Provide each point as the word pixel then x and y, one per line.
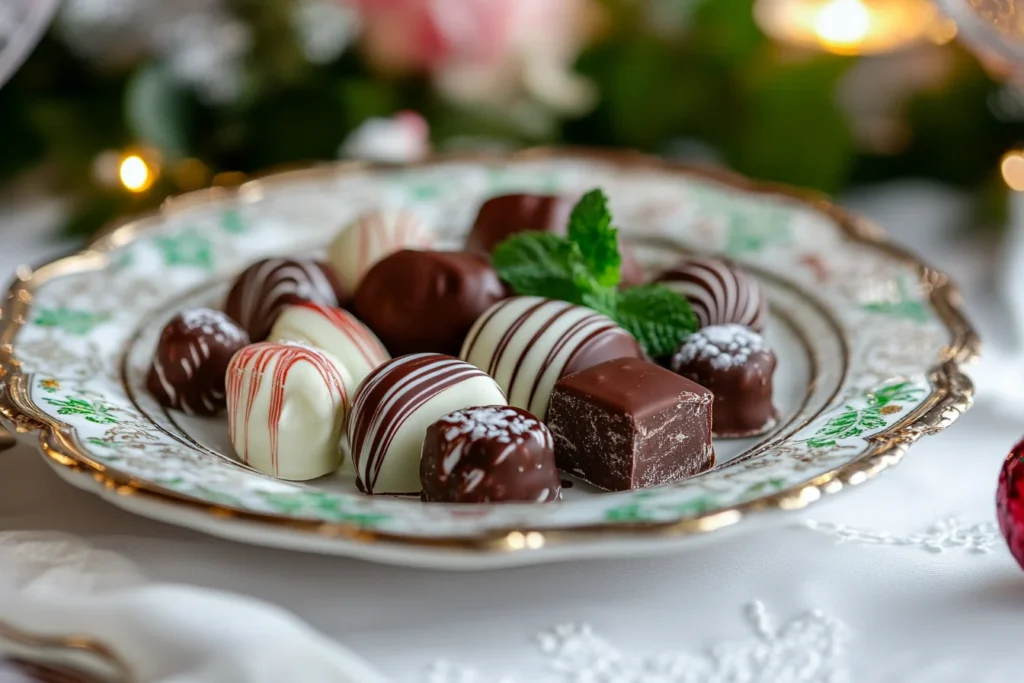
pixel 370 238
pixel 267 286
pixel 491 454
pixel 287 406
pixel 527 343
pixel 426 301
pixel 719 292
pixel 190 361
pixel 334 330
pixel 501 217
pixel 393 408
pixel 735 364
pixel 630 424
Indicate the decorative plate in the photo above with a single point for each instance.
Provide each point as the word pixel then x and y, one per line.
pixel 870 346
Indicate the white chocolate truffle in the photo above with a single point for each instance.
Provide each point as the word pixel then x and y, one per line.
pixel 334 330
pixel 527 343
pixel 393 408
pixel 287 406
pixel 370 238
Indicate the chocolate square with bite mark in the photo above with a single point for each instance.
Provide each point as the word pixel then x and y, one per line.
pixel 629 424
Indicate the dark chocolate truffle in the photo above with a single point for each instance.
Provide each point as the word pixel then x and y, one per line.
pixel 719 292
pixel 734 363
pixel 630 424
pixel 426 301
pixel 501 217
pixel 491 454
pixel 191 360
pixel 266 287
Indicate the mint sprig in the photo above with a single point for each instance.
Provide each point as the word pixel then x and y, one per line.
pixel 534 262
pixel 584 269
pixel 590 228
pixel 658 317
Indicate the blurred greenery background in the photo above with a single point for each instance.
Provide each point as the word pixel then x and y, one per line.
pixel 210 91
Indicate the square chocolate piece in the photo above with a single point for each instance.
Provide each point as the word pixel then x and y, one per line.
pixel 629 424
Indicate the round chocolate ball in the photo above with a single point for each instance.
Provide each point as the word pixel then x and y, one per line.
pixel 719 292
pixel 733 363
pixel 501 217
pixel 263 290
pixel 491 454
pixel 191 359
pixel 426 301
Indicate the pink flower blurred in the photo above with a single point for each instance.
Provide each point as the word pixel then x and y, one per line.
pixel 425 34
pixel 497 52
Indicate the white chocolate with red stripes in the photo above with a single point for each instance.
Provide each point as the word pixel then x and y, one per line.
pixel 334 330
pixel 287 407
pixel 370 238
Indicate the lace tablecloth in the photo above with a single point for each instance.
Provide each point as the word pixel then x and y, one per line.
pixel 903 580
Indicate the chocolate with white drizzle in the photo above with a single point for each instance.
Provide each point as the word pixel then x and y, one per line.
pixel 489 454
pixel 190 361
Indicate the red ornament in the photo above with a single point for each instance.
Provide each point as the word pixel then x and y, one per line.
pixel 1010 502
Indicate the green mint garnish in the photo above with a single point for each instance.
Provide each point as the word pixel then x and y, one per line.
pixel 534 262
pixel 658 317
pixel 590 228
pixel 584 269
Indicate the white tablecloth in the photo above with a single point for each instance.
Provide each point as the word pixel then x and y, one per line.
pixel 921 589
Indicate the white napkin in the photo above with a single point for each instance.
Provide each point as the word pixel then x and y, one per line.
pixel 54 584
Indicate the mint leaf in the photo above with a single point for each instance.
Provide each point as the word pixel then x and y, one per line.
pixel 659 318
pixel 590 228
pixel 543 264
pixel 584 270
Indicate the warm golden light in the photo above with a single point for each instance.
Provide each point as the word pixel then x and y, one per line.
pixel 1012 168
pixel 135 174
pixel 843 23
pixel 851 26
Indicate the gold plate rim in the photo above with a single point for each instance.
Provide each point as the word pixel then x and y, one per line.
pixel 952 395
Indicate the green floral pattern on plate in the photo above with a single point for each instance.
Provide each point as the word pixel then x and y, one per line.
pixel 72 321
pixel 186 248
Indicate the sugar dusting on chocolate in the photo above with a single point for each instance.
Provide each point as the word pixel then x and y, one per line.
pixel 724 346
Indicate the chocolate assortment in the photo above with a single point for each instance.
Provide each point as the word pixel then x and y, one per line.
pixel 630 424
pixel 443 384
pixel 426 301
pixel 736 365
